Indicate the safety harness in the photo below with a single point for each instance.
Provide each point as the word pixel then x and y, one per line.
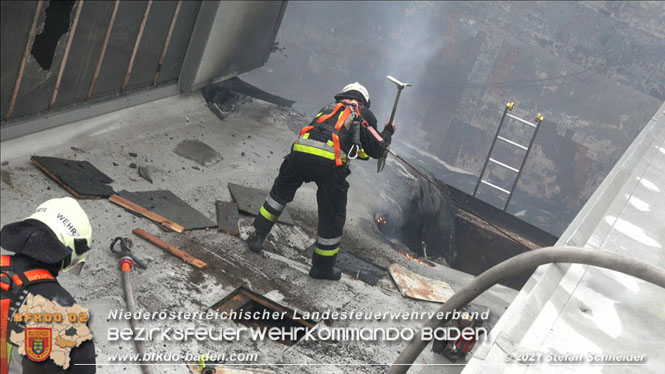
pixel 331 149
pixel 12 289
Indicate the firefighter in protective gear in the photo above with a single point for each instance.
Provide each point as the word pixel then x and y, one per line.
pixel 341 131
pixel 56 238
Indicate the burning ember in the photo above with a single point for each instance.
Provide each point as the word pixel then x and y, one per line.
pixel 383 226
pixel 416 259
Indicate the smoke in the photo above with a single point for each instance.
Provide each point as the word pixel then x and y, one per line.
pixel 419 216
pixel 415 40
pixel 590 67
pixel 329 44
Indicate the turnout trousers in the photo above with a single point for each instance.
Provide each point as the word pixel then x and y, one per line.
pixel 296 169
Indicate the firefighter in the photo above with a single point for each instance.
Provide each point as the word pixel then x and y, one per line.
pixel 56 238
pixel 343 130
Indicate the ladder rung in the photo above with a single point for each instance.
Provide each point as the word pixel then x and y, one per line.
pixel 512 142
pixel 504 165
pixel 521 120
pixel 495 186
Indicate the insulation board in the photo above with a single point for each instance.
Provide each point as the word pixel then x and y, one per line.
pixel 250 200
pixel 167 204
pixel 80 178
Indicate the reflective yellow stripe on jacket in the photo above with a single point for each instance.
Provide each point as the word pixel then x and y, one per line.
pixel 317 148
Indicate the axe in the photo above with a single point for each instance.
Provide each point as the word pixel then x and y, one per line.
pixel 400 86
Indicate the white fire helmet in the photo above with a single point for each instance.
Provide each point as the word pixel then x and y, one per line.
pixel 355 86
pixel 71 226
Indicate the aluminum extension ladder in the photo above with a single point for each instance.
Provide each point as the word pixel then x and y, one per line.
pixel 517 171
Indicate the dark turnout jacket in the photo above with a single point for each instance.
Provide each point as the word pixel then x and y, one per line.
pixel 373 142
pixel 29 239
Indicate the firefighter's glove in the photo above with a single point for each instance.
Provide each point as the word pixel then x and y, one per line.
pixel 391 127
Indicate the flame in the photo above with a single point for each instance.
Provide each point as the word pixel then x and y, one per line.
pixel 381 220
pixel 416 259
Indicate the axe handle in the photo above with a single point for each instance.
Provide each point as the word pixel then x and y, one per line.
pixel 392 115
pixel 382 161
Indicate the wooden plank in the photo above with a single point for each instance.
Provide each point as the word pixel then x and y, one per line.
pixel 167 42
pixel 66 55
pixel 109 28
pixel 119 200
pixel 186 257
pixel 26 54
pixel 136 45
pixel 227 217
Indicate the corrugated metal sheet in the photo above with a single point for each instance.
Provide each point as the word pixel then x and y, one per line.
pixel 419 287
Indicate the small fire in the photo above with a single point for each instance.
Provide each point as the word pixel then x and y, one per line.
pixel 416 259
pixel 381 220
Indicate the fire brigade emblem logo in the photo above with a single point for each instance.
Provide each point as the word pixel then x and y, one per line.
pixel 38 347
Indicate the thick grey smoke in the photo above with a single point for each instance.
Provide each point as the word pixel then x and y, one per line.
pixel 593 69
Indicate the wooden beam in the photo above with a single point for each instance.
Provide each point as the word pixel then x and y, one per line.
pixel 109 28
pixel 167 42
pixel 26 53
pixel 119 200
pixel 136 45
pixel 66 55
pixel 186 257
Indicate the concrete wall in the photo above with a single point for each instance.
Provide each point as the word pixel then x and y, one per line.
pixel 232 37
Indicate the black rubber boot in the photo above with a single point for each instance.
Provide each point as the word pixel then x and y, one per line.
pixel 325 273
pixel 255 242
pixel 323 267
pixel 261 229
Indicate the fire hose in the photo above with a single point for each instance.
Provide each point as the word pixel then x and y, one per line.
pixel 126 263
pixel 514 266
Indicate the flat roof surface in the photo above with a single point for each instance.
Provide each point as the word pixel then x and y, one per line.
pixel 579 310
pixel 252 141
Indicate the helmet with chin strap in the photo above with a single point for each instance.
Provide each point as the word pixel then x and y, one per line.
pixel 71 226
